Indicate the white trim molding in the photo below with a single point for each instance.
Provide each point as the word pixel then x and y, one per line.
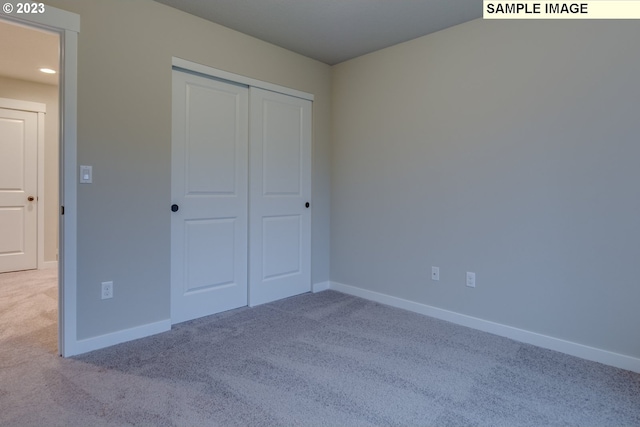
pixel 571 348
pixel 52 18
pixel 41 196
pixel 320 286
pixel 190 66
pixel 49 265
pixel 106 340
pixel 17 104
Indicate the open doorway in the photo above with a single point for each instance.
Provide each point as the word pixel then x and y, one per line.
pixel 67 26
pixel 29 183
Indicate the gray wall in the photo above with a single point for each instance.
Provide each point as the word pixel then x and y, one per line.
pixel 509 149
pixel 124 131
pixel 48 95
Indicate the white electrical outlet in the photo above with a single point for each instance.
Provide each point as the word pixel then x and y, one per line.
pixel 471 279
pixel 107 290
pixel 435 273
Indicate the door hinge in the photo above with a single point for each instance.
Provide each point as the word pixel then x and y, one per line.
pixel 61 210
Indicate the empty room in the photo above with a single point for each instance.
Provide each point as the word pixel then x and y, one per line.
pixel 287 212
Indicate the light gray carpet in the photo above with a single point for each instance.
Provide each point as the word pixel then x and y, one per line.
pixel 314 360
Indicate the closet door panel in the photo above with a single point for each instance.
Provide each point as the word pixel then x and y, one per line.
pixel 280 196
pixel 209 218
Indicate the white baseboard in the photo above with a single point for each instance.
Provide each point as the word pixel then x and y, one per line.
pixel 320 286
pixel 49 265
pixel 106 340
pixel 574 349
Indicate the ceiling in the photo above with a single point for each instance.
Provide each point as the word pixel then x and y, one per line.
pixel 25 50
pixel 333 31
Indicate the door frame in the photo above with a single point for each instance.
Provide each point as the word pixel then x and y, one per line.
pixel 40 109
pixel 67 25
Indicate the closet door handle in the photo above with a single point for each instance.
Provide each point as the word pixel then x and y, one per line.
pixel 174 208
pixel 306 205
pixel 31 198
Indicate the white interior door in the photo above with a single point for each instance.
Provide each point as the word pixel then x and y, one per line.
pixel 280 193
pixel 18 189
pixel 209 187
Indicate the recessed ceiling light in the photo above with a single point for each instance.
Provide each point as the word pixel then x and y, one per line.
pixel 48 70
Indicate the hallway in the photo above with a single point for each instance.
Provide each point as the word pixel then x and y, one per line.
pixel 28 315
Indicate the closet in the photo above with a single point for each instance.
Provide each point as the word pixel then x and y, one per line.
pixel 241 193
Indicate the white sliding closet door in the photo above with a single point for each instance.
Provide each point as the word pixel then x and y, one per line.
pixel 280 193
pixel 209 194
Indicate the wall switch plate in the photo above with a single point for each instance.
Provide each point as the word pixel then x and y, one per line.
pixel 86 174
pixel 435 273
pixel 471 279
pixel 107 290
